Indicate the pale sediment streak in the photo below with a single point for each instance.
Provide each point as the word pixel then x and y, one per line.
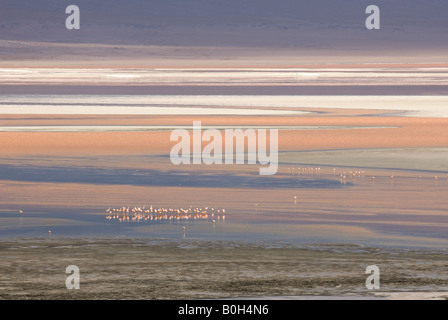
pixel 174 76
pixel 420 106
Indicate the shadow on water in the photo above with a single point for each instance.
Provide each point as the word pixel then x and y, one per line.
pixel 120 176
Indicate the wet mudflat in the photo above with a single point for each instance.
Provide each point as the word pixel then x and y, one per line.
pixel 191 269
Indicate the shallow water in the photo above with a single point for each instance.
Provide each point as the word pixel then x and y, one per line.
pixel 300 204
pixel 422 159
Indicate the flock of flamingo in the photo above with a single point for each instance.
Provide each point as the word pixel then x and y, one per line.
pixel 342 174
pixel 303 170
pixel 125 214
